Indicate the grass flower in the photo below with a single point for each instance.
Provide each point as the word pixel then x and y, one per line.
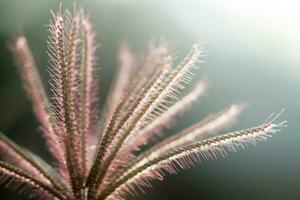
pixel 97 159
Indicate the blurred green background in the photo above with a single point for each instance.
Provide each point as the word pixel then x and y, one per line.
pixel 252 55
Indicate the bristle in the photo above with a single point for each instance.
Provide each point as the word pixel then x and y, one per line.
pixel 19 180
pixel 19 157
pixel 169 88
pixel 152 64
pixel 56 53
pixel 156 55
pixel 166 118
pixel 127 67
pixel 71 87
pixel 36 93
pixel 201 130
pixel 120 90
pixel 15 156
pixel 198 131
pixel 63 48
pixel 89 93
pixel 110 142
pixel 154 165
pixel 164 92
pixel 153 129
pixel 155 98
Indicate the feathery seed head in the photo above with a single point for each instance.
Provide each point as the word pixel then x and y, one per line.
pixel 145 99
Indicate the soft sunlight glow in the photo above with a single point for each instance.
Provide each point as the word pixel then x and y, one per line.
pixel 284 16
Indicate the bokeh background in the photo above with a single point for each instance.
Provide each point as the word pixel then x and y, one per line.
pixel 253 50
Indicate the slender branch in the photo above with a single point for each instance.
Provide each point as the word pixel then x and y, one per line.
pixel 63 46
pixel 126 70
pixel 165 87
pixel 21 179
pixel 107 145
pixel 153 129
pixel 16 154
pixel 153 164
pixel 196 132
pixel 88 93
pixel 37 95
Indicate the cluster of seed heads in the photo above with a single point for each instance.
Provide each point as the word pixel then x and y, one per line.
pixel 97 158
